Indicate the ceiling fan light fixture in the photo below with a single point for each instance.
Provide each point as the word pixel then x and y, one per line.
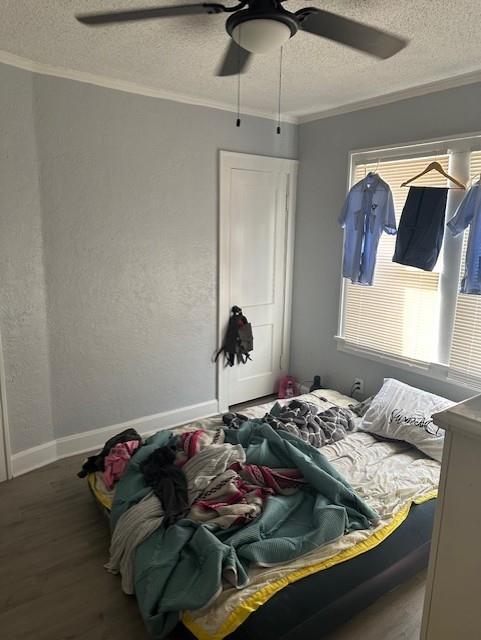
pixel 260 35
pixel 257 26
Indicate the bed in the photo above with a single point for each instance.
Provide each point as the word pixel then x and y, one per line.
pixel 311 595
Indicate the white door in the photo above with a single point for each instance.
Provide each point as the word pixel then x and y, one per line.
pixel 257 200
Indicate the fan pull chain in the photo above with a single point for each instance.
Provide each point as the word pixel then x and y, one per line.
pixel 238 121
pixel 278 130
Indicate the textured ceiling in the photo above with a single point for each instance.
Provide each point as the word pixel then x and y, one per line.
pixel 179 55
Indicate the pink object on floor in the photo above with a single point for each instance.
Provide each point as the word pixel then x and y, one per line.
pixel 288 387
pixel 116 461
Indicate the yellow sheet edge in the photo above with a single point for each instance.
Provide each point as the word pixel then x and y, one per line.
pixel 99 496
pixel 237 617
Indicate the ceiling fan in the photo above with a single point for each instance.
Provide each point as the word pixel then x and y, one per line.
pixel 257 26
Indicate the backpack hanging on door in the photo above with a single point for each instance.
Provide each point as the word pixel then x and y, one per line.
pixel 238 341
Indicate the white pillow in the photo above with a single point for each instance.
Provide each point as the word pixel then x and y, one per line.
pixel 402 412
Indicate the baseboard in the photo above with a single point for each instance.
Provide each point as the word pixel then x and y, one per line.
pixel 36 457
pixel 30 459
pixel 94 439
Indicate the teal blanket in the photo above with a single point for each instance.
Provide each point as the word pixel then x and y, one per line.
pixel 182 566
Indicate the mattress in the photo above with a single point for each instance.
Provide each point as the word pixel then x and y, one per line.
pixel 312 607
pixel 333 582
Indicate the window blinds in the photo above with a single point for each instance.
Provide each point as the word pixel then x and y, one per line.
pixel 465 361
pixel 398 315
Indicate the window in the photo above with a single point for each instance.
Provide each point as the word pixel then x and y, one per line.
pixel 412 317
pixel 398 314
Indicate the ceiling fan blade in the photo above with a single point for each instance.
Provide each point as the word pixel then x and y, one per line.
pixel 349 32
pixel 148 13
pixel 235 60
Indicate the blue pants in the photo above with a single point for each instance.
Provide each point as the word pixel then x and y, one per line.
pixel 421 228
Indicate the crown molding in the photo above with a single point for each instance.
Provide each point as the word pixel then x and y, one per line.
pixel 404 94
pixel 126 86
pixel 292 118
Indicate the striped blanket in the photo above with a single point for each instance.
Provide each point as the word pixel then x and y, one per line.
pixel 304 420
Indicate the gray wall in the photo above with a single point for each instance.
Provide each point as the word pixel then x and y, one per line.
pixel 128 192
pixel 108 235
pixel 23 319
pixel 323 152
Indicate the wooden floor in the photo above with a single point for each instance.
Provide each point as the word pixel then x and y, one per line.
pixel 53 543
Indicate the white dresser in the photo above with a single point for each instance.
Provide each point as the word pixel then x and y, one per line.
pixel 452 607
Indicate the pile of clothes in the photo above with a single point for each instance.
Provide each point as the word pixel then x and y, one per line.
pixel 303 420
pixel 110 463
pixel 196 510
pixel 198 476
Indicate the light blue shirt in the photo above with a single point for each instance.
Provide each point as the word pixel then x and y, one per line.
pixel 367 212
pixel 469 213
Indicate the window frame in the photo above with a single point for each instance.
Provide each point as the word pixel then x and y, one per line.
pixel 458 149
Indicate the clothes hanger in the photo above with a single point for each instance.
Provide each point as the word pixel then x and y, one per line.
pixel 372 172
pixel 436 167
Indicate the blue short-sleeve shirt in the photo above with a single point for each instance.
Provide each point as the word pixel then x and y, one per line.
pixel 368 211
pixel 469 214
